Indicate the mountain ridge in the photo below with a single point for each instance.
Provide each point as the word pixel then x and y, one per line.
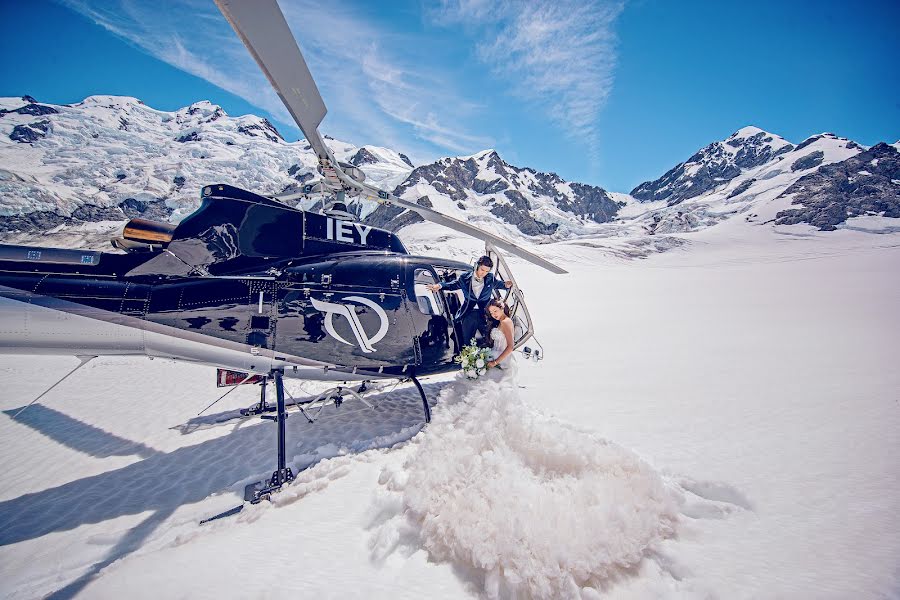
pixel 109 158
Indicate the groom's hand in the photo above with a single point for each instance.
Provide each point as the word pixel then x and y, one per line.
pixel 433 286
pixel 508 284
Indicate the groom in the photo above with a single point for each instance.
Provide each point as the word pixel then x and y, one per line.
pixel 477 287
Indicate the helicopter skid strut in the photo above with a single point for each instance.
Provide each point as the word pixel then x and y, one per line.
pixel 262 490
pixel 261 407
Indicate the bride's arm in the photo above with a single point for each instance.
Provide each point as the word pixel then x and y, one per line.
pixel 506 327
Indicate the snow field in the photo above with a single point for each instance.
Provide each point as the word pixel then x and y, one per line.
pixel 762 367
pixel 718 421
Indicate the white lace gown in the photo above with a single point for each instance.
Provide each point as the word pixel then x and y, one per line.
pixel 498 341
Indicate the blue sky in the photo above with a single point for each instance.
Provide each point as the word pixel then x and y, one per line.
pixel 609 93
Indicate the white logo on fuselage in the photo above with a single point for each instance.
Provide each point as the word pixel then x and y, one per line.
pixel 365 342
pixel 342 231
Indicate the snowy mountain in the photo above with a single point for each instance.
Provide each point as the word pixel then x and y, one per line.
pixel 79 171
pixel 758 175
pixel 110 158
pixel 711 166
pixel 484 185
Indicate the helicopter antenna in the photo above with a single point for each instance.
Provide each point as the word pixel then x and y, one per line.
pixel 262 28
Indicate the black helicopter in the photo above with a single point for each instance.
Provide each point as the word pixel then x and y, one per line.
pixel 253 286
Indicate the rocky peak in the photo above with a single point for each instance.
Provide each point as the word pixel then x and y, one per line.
pixel 200 112
pixel 363 157
pixel 714 165
pixel 31 108
pixel 254 126
pixel 535 203
pixel 865 184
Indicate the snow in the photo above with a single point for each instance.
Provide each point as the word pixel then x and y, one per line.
pixel 633 207
pixel 478 156
pixel 719 420
pixel 872 224
pixel 79 161
pixel 747 131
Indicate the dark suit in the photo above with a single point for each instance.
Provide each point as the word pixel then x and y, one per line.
pixel 470 315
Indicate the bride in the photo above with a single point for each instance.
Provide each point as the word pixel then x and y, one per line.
pixel 501 333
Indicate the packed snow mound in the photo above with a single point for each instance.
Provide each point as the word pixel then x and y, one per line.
pixel 535 507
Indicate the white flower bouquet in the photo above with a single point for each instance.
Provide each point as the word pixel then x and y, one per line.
pixel 473 360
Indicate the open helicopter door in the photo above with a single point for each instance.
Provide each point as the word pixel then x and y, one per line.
pixel 514 298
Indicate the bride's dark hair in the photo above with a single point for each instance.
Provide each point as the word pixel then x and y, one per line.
pixel 487 311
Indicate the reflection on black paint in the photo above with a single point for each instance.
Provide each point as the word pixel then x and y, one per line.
pixel 228 323
pixel 314 324
pixel 258 339
pixel 197 322
pixel 435 335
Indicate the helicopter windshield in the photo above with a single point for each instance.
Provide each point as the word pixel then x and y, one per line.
pixel 513 297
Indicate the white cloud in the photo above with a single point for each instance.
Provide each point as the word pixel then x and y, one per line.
pixel 373 96
pixel 191 37
pixel 560 54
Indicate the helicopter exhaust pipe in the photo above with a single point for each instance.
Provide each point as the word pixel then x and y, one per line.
pixel 148 232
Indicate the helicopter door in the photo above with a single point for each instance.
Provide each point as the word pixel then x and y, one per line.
pixel 513 297
pixel 431 322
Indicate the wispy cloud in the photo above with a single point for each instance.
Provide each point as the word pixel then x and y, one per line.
pixel 559 54
pixel 190 36
pixel 373 95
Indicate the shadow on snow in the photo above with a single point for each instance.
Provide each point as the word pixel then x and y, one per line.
pixel 163 481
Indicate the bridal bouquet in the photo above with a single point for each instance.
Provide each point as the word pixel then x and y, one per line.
pixel 473 360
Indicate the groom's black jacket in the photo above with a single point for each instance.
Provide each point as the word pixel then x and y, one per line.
pixel 470 303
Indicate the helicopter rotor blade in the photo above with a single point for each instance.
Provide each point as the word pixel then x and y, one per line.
pixel 261 26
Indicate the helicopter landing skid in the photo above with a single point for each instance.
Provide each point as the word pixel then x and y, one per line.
pixel 261 407
pixel 263 490
pixel 424 399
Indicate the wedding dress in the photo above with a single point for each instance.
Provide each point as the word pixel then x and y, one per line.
pixel 498 343
pixel 498 346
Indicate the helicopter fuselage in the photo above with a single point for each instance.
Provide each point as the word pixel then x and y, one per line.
pixel 245 284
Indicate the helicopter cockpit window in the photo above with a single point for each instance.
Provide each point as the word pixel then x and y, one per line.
pixel 427 302
pixel 523 328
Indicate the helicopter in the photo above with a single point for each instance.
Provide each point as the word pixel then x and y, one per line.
pixel 256 287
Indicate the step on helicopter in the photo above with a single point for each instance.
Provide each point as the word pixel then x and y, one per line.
pixel 254 286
